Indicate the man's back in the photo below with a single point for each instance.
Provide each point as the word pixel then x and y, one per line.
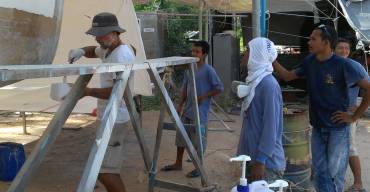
pixel 263 125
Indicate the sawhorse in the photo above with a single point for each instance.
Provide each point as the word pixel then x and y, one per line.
pixel 85 72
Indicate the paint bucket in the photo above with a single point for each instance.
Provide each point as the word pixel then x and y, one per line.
pixel 58 91
pixel 12 157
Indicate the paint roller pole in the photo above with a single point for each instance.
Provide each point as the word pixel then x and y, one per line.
pixel 256 18
pixel 263 18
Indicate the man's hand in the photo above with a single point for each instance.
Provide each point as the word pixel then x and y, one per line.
pixel 75 54
pixel 342 117
pixel 258 171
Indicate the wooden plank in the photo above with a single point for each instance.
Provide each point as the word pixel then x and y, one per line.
pixel 52 131
pixel 19 72
pixel 103 134
pixel 172 110
pixel 136 124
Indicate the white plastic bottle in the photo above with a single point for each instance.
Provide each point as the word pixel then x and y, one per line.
pixel 257 186
pixel 243 183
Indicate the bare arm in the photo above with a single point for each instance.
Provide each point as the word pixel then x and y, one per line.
pixel 100 93
pixel 90 51
pixel 283 73
pixel 344 116
pixel 365 85
pixel 211 93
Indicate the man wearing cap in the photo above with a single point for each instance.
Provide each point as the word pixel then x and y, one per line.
pixel 111 49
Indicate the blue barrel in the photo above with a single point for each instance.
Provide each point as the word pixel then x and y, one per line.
pixel 12 158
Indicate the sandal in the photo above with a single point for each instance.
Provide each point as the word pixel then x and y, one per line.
pixel 193 174
pixel 354 189
pixel 171 168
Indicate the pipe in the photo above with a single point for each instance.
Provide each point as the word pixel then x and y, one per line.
pixel 256 18
pixel 263 18
pixel 200 24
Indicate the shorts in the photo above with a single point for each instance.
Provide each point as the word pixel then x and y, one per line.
pixel 192 134
pixel 114 154
pixel 352 144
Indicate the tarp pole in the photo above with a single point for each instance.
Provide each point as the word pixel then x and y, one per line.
pixel 256 18
pixel 200 20
pixel 263 18
pixel 259 18
pixel 206 27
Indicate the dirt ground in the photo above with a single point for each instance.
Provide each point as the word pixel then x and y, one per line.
pixel 62 168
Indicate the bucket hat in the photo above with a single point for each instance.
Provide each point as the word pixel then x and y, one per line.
pixel 104 23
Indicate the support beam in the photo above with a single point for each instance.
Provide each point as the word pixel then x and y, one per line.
pixel 263 19
pixel 24 121
pixel 196 118
pixel 200 19
pixel 50 135
pixel 103 134
pixel 137 126
pixel 153 169
pixel 256 18
pixel 172 111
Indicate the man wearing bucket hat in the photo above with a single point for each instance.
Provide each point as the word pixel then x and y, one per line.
pixel 111 49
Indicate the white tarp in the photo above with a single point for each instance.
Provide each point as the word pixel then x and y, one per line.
pixel 358 16
pixel 33 95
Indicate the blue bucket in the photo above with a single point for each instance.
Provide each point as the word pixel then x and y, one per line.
pixel 12 158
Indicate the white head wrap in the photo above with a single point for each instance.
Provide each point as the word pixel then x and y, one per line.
pixel 262 53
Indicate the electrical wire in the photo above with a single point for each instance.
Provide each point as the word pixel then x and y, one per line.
pixel 276 32
pixel 299 15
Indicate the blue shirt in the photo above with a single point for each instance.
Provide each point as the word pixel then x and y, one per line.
pixel 354 89
pixel 261 135
pixel 328 84
pixel 206 80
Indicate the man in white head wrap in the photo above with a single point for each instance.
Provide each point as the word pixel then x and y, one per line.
pixel 262 112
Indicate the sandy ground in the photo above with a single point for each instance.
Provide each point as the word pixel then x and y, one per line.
pixel 63 166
